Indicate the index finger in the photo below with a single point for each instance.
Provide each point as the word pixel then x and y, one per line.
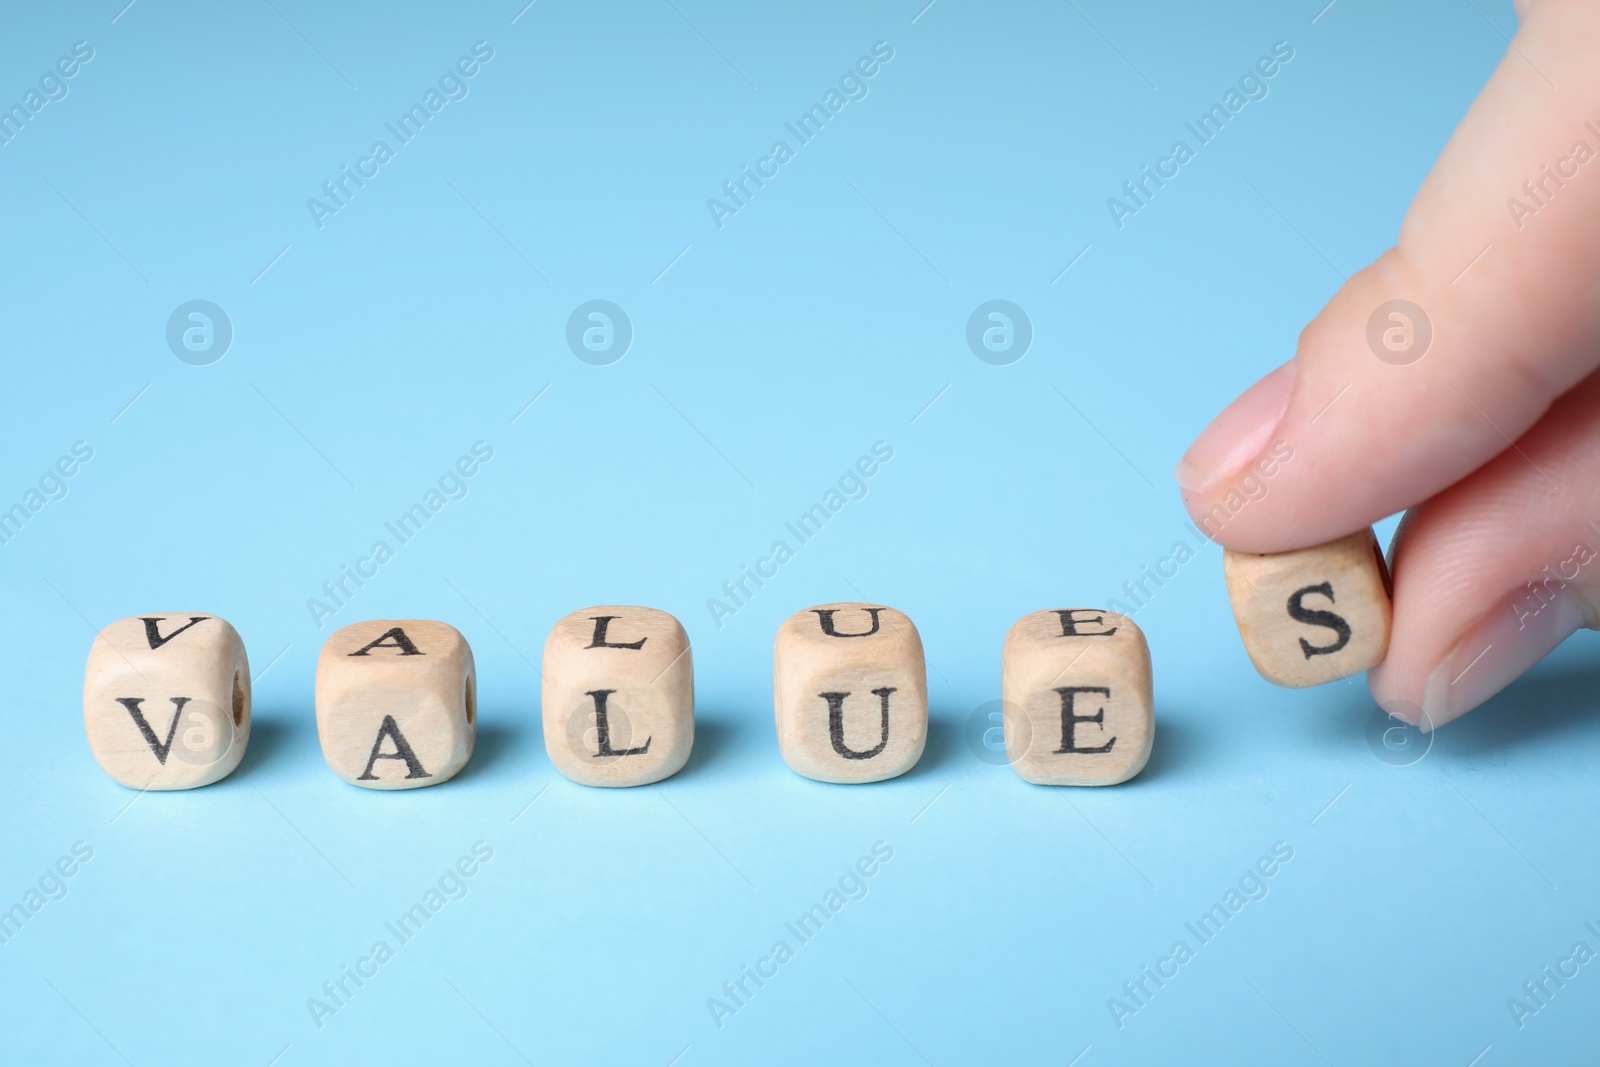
pixel 1438 356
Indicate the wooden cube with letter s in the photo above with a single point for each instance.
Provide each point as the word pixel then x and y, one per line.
pixel 1314 615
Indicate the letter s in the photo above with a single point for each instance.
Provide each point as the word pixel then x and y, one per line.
pixel 1300 613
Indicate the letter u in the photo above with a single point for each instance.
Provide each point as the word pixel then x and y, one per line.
pixel 836 723
pixel 826 617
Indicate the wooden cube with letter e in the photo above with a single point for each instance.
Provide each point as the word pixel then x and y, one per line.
pixel 396 703
pixel 850 693
pixel 1077 703
pixel 1314 615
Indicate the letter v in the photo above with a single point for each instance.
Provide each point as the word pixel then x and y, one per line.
pixel 152 630
pixel 161 750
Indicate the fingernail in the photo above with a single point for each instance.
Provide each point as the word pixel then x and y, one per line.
pixel 1238 435
pixel 1497 650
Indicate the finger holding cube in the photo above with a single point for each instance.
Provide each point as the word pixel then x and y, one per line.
pixel 1314 615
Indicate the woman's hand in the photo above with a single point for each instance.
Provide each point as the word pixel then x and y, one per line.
pixel 1475 403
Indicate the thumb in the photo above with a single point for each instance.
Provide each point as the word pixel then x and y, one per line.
pixel 1435 358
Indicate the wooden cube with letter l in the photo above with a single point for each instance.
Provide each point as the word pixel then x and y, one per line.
pixel 1077 703
pixel 396 703
pixel 850 693
pixel 617 699
pixel 166 700
pixel 1314 615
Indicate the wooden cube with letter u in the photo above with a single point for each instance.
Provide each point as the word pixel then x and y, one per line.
pixel 166 700
pixel 850 693
pixel 617 699
pixel 1076 697
pixel 396 703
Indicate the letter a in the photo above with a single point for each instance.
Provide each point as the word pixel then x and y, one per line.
pixel 400 641
pixel 402 749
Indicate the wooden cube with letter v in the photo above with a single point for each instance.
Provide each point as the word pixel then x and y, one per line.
pixel 850 693
pixel 396 703
pixel 617 699
pixel 1314 615
pixel 166 700
pixel 1077 704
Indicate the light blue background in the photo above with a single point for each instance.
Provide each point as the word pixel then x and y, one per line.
pixel 825 316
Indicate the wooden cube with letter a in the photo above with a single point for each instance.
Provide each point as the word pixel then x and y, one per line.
pixel 617 698
pixel 1314 615
pixel 397 703
pixel 850 692
pixel 166 700
pixel 1076 697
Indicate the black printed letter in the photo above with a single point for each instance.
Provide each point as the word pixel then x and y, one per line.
pixel 826 615
pixel 152 631
pixel 132 704
pixel 836 717
pixel 600 624
pixel 1336 623
pixel 401 641
pixel 1070 720
pixel 602 724
pixel 1069 625
pixel 402 749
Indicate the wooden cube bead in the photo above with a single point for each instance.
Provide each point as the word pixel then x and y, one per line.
pixel 1076 697
pixel 1315 615
pixel 166 700
pixel 397 703
pixel 850 693
pixel 618 696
